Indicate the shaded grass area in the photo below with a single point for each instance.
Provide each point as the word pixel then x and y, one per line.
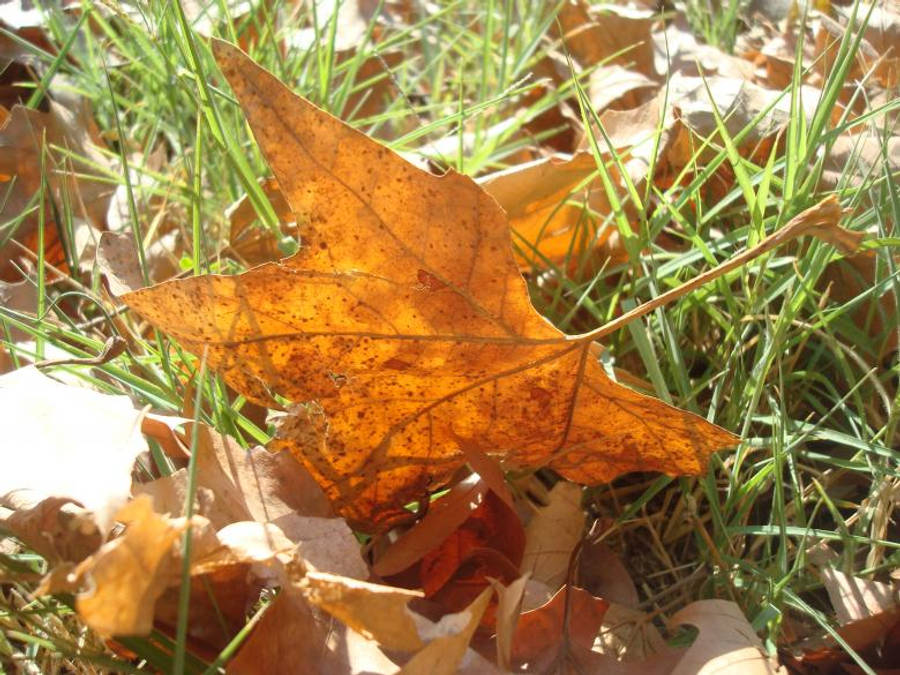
pixel 785 352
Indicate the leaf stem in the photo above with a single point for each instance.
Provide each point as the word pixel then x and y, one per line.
pixel 820 220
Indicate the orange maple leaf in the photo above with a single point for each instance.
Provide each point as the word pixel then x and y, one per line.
pixel 403 326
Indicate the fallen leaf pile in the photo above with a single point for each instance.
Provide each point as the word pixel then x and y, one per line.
pixel 421 506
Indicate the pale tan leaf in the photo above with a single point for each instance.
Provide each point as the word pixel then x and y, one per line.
pixel 377 612
pixel 293 638
pixel 128 574
pixel 552 534
pixel 242 484
pixel 726 644
pixel 444 653
pixel 326 544
pixel 70 443
pixel 855 598
pixel 509 606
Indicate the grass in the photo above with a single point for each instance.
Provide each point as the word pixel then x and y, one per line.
pixel 774 352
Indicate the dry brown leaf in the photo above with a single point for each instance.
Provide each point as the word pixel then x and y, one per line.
pixel 855 598
pixel 602 573
pixel 737 102
pixel 595 33
pixel 237 484
pixel 726 644
pixel 677 50
pixel 71 182
pixel 854 159
pixel 117 261
pixel 19 297
pixel 619 88
pixel 71 444
pixel 444 653
pixel 403 325
pixel 377 612
pixel 326 544
pixel 219 604
pixel 249 239
pixel 121 583
pixel 541 632
pixel 248 542
pixel 546 201
pixel 509 607
pixel 629 635
pixel 293 638
pixel 882 65
pixel 552 534
pixel 444 516
pixel 128 574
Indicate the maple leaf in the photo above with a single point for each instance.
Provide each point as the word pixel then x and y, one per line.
pixel 402 328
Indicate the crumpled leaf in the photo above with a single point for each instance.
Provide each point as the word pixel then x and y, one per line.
pixel 67 443
pixel 402 326
pixel 238 484
pixel 489 544
pixel 119 585
pixel 127 574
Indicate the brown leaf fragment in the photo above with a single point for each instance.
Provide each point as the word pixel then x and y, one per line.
pixel 18 297
pixel 293 638
pixel 117 261
pixel 629 635
pixel 219 604
pixel 726 644
pixel 377 612
pixel 444 654
pixel 855 598
pixel 546 201
pixel 619 88
pixel 402 325
pixel 23 136
pixel 325 544
pixel 54 527
pixel 552 535
pixel 444 517
pixel 509 607
pixel 541 633
pixel 128 574
pixel 81 446
pixel 250 240
pixel 242 484
pixel 602 573
pixel 594 36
